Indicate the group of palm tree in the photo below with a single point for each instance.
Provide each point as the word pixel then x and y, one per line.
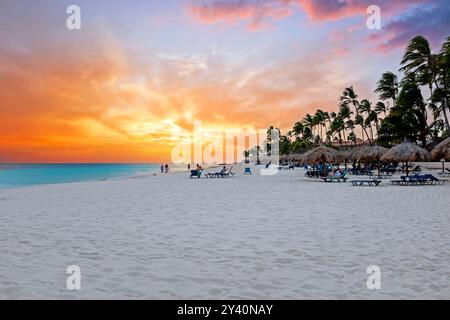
pixel 324 126
pixel 401 112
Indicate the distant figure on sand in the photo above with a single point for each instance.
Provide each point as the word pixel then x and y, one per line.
pixel 167 168
pixel 162 168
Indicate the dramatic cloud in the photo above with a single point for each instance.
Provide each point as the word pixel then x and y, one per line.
pixel 58 107
pixel 332 10
pixel 259 13
pixel 432 22
pixel 116 91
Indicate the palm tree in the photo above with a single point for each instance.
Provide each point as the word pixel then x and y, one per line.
pixel 327 124
pixel 359 120
pixel 285 145
pixel 308 134
pixel 309 122
pixel 373 117
pixel 331 130
pixel 381 107
pixel 350 98
pixel 289 134
pixel 333 115
pixel 413 108
pixel 327 119
pixel 419 59
pixel 387 87
pixel 350 125
pixel 365 107
pixel 441 96
pixel 320 120
pixel 344 115
pixel 337 126
pixel 299 129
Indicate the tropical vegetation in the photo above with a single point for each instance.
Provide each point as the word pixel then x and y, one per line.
pixel 414 107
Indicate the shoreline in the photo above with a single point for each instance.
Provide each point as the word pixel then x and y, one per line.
pixel 157 172
pixel 431 167
pixel 250 237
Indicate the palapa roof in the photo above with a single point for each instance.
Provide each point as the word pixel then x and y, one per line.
pixel 405 152
pixel 358 152
pixel 291 157
pixel 344 155
pixel 319 154
pixel 373 153
pixel 442 150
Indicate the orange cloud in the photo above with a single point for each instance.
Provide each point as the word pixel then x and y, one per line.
pixel 261 13
pixel 258 16
pixel 96 104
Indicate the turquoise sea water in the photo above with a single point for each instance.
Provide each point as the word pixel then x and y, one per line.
pixel 20 175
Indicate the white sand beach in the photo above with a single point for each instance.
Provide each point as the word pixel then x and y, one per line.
pixel 247 237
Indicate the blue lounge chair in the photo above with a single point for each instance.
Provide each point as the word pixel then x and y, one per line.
pixel 216 174
pixel 248 171
pixel 370 183
pixel 418 180
pixel 196 174
pixel 230 173
pixel 339 179
pixel 226 173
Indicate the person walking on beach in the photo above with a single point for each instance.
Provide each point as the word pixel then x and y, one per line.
pixel 167 168
pixel 162 168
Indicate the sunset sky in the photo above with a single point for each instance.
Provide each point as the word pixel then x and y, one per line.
pixel 139 72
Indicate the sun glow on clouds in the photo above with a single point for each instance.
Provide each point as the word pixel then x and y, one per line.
pixel 260 14
pixel 98 96
pixel 120 111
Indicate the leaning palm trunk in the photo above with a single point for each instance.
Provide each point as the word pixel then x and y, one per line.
pixel 371 132
pixel 367 134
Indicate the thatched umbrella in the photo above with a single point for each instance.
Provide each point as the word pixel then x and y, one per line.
pixel 406 152
pixel 297 157
pixel 442 151
pixel 344 156
pixel 358 152
pixel 291 157
pixel 321 154
pixel 373 154
pixel 354 154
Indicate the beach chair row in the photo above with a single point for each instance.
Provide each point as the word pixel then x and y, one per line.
pixel 418 180
pixel 225 173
